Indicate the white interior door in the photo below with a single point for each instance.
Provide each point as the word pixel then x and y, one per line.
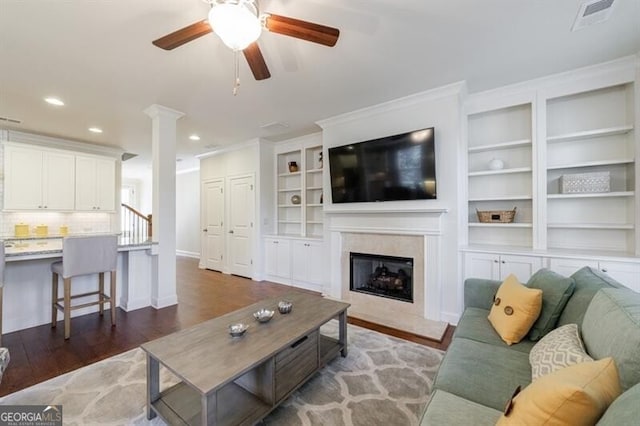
pixel 213 231
pixel 241 214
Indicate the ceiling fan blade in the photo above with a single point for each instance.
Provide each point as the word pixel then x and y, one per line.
pixel 184 35
pixel 304 30
pixel 256 62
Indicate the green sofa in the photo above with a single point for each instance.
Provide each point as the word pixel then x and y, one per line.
pixel 480 372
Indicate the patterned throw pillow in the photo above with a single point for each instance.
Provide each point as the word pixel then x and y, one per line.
pixel 4 360
pixel 560 348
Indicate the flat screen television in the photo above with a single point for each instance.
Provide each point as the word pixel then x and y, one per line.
pixel 399 167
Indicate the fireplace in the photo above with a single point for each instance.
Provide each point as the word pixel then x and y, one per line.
pixel 384 276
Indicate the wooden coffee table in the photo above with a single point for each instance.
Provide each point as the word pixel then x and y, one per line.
pixel 238 381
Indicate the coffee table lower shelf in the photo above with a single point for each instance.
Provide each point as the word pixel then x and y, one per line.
pixel 181 405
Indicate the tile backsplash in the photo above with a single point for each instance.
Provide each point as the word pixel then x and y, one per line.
pixel 78 223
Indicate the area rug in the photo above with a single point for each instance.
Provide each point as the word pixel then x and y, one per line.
pixel 382 381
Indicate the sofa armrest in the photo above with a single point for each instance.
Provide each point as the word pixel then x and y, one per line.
pixel 478 292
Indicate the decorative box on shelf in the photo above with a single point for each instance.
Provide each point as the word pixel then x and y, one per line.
pixel 585 183
pixel 496 216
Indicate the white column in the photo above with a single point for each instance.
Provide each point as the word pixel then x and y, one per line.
pixel 163 138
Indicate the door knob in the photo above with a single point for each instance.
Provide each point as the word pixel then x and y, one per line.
pixel 205 230
pixel 231 232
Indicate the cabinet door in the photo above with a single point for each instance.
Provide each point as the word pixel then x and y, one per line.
pixel 482 265
pixel 276 257
pixel 627 274
pixel 105 184
pixel 521 266
pixel 315 262
pixel 299 255
pixel 23 178
pixel 58 182
pixel 567 267
pixel 85 183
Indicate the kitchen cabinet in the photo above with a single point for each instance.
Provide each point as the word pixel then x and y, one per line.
pixel 95 183
pixel 37 179
pixel 627 273
pixel 498 266
pixel 307 264
pixel 277 257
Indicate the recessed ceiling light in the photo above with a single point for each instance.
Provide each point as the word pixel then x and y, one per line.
pixel 95 129
pixel 194 137
pixel 54 101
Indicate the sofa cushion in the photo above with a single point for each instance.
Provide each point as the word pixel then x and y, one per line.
pixel 483 373
pixel 575 395
pixel 559 349
pixel 625 410
pixel 448 409
pixel 515 309
pixel 611 327
pixel 475 325
pixel 556 291
pixel 588 282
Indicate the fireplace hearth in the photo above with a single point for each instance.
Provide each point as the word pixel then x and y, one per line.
pixel 384 276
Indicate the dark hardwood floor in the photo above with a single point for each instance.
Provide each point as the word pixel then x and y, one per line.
pixel 40 353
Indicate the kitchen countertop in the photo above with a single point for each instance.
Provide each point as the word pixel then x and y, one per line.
pixel 29 248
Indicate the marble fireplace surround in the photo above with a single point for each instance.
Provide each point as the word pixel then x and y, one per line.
pixel 405 233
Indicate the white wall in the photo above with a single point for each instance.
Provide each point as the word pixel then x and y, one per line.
pixel 188 214
pixel 439 108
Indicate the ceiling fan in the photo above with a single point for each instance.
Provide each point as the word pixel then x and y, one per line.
pixel 239 24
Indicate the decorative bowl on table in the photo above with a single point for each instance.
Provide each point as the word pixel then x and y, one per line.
pixel 263 315
pixel 284 306
pixel 237 330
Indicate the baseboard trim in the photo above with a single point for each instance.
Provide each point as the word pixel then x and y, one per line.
pixel 185 253
pixel 165 301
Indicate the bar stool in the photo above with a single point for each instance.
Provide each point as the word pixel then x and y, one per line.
pixel 84 256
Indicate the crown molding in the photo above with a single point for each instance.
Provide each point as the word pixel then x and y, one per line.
pixel 59 143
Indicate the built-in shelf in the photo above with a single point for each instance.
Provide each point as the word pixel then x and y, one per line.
pixel 289 205
pixel 593 195
pixel 297 222
pixel 502 145
pixel 289 190
pixel 314 222
pixel 288 174
pixel 592 164
pixel 608 226
pixel 500 172
pixel 314 171
pixel 588 134
pixel 314 187
pixel 315 205
pixel 501 198
pixel 500 225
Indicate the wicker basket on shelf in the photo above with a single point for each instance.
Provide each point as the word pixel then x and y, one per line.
pixel 496 216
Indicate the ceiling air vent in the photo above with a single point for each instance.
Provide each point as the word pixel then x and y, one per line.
pixel 593 12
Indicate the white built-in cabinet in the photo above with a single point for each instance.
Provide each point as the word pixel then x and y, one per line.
pixel 37 179
pixel 539 133
pixel 627 273
pixel 278 257
pixel 94 187
pixel 294 255
pixel 294 261
pixel 494 266
pixel 306 264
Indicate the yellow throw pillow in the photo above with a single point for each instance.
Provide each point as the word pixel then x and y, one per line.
pixel 575 395
pixel 515 309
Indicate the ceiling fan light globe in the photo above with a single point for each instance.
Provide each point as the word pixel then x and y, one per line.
pixel 235 24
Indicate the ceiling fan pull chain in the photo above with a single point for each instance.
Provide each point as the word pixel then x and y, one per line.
pixel 236 83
